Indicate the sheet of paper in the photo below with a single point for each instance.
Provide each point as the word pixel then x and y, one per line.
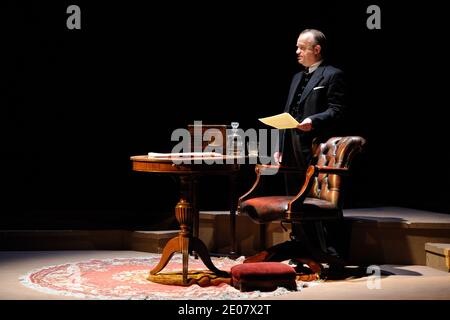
pixel 280 121
pixel 184 154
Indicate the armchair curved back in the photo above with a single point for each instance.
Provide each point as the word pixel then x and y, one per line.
pixel 337 152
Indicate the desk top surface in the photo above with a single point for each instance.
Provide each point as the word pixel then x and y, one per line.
pixel 198 165
pixel 146 158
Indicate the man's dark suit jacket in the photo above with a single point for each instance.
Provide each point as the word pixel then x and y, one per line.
pixel 323 101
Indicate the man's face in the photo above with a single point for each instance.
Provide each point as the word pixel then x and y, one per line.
pixel 307 52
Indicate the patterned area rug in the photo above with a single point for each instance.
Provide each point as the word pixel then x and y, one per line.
pixel 126 278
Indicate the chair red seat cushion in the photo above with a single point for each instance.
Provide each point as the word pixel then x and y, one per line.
pixel 267 209
pixel 263 276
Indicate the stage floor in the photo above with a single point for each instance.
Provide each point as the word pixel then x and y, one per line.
pixel 408 282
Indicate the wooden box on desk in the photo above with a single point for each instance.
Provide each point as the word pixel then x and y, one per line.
pixel 197 133
pixel 438 255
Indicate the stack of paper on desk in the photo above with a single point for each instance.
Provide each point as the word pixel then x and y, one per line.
pixel 184 155
pixel 280 121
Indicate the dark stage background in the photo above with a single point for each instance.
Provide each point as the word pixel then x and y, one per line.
pixel 76 104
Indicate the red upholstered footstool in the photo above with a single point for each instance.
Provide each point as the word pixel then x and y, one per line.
pixel 263 276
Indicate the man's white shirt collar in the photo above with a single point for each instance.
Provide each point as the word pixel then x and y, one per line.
pixel 314 66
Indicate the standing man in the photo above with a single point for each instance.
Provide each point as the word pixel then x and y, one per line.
pixel 316 99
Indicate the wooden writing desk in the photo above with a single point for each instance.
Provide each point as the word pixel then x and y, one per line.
pixel 186 210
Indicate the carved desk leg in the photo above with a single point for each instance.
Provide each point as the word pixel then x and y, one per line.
pixel 185 215
pixel 185 241
pixel 183 212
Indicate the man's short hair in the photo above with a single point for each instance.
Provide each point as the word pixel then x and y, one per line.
pixel 319 38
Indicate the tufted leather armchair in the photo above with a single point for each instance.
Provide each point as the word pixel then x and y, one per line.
pixel 319 198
